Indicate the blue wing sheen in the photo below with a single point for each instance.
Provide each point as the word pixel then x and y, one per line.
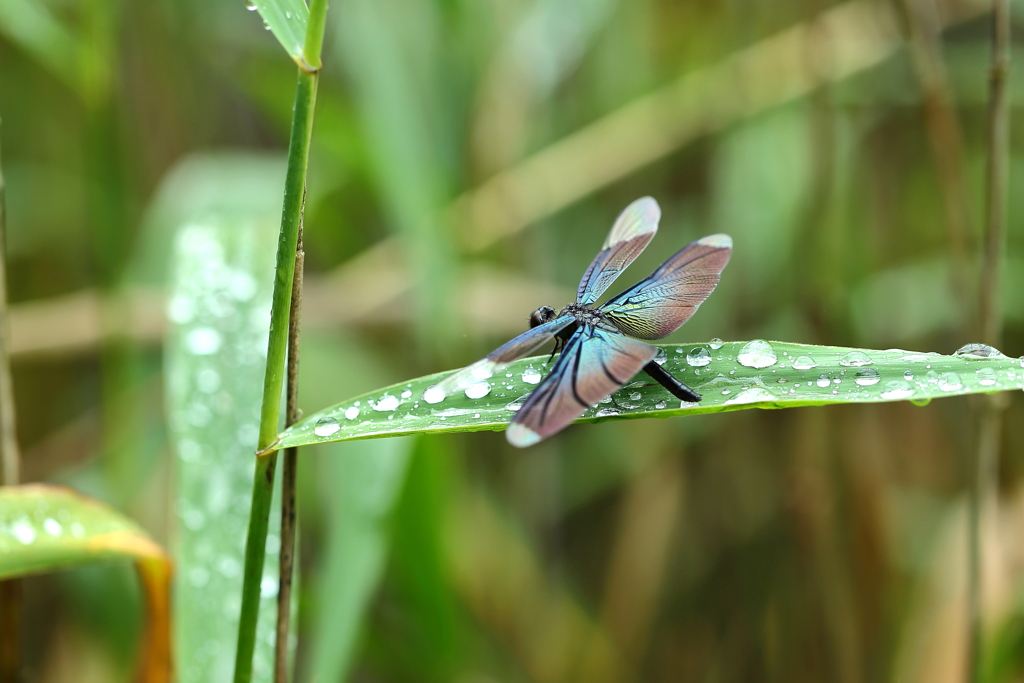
pixel 594 363
pixel 630 234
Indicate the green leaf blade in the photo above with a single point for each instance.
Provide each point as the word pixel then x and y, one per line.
pixel 287 20
pixel 734 376
pixel 48 528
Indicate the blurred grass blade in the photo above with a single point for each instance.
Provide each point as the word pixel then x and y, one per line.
pixel 731 376
pixel 51 528
pixel 360 483
pixel 29 24
pixel 219 306
pixel 287 20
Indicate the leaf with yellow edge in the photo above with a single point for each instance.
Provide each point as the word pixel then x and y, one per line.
pixel 50 528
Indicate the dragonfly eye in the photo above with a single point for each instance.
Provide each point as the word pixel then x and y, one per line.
pixel 544 314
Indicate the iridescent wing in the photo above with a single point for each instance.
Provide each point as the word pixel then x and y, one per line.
pixel 659 304
pixel 633 229
pixel 593 364
pixel 496 359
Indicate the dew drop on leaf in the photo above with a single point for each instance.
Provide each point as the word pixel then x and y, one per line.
pixel 757 354
pixel 326 426
pixel 950 381
pixel 698 357
pixel 855 359
pixel 478 390
pixel 896 389
pixel 716 343
pixel 986 376
pixel 804 363
pixel 865 377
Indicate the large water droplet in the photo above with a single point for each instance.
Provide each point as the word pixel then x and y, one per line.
pixel 855 359
pixel 635 396
pixel 698 357
pixel 804 363
pixel 896 389
pixel 716 344
pixel 478 390
pixel 823 381
pixel 751 395
pixel 386 403
pixel 908 375
pixel 757 354
pixel 931 377
pixel 661 357
pixel 950 381
pixel 351 413
pixel 531 375
pixel 979 351
pixel 434 394
pixel 986 376
pixel 407 394
pixel 865 377
pixel 326 426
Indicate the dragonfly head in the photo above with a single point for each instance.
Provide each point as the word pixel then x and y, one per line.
pixel 544 314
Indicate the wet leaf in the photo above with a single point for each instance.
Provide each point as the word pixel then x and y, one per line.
pixel 730 376
pixel 50 528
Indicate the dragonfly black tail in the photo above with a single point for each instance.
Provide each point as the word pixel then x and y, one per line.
pixel 669 381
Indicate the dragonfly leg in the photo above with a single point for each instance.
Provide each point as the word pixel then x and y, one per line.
pixel 669 381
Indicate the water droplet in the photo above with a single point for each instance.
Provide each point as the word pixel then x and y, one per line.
pixel 606 412
pixel 908 375
pixel 515 405
pixel 326 426
pixel 660 405
pixel 855 359
pixel 950 381
pixel 698 357
pixel 386 403
pixel 823 381
pixel 716 343
pixel 251 7
pixel 865 377
pixel 635 396
pixel 896 389
pixel 53 527
pixel 986 376
pixel 287 15
pixel 531 375
pixel 661 357
pixel 351 413
pixel 407 394
pixel 434 394
pixel 203 341
pixel 689 404
pixel 931 377
pixel 478 390
pixel 482 370
pixel 266 26
pixel 757 354
pixel 978 351
pixel 804 363
pixel 751 395
pixel 23 531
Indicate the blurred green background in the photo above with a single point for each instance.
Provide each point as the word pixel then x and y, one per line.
pixel 468 157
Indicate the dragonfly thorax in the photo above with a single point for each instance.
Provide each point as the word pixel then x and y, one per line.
pixel 584 314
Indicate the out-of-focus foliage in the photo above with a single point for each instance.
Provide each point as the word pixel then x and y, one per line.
pixel 467 160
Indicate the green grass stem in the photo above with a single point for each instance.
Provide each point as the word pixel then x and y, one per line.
pixel 291 220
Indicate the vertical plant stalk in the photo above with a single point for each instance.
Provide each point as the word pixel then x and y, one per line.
pixel 288 474
pixel 291 219
pixel 984 484
pixel 10 590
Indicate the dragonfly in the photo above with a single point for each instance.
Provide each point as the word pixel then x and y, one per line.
pixel 598 346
